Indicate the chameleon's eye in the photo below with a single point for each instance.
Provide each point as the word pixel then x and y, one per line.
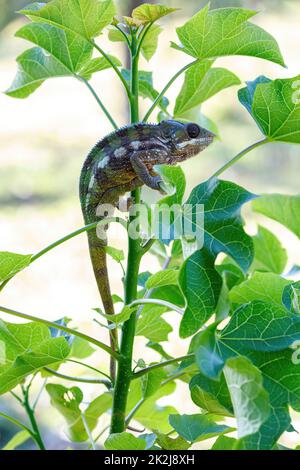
pixel 193 130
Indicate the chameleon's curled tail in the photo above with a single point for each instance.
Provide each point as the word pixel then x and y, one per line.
pixel 99 262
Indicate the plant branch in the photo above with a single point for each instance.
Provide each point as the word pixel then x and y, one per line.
pixel 164 303
pixel 165 89
pixel 114 67
pixel 31 416
pixel 146 370
pixel 104 109
pixel 97 343
pixel 124 374
pixel 107 383
pixel 142 37
pixel 124 34
pixel 239 156
pixel 134 410
pixel 71 235
pixel 88 431
pixel 18 423
pixel 89 367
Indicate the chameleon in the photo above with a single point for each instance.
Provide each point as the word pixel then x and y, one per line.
pixel 123 161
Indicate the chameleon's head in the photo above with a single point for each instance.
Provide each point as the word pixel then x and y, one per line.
pixel 184 139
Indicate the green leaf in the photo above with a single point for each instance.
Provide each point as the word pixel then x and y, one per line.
pixel 224 443
pixel 269 433
pixel 151 415
pixel 34 67
pixel 25 349
pixel 12 263
pixel 226 31
pixel 211 395
pixel 223 233
pixel 70 50
pixel 223 228
pixel 148 13
pixel 121 317
pixel 263 286
pixel 261 326
pixel 207 354
pixel 151 325
pixel 201 83
pixel 291 297
pixel 169 443
pixel 97 64
pixel 250 399
pixel 124 441
pixel 275 107
pixel 117 255
pixel 282 208
pixel 81 349
pixel 166 277
pixel 68 400
pixel 150 43
pixel 269 254
pixel 151 382
pixel 201 285
pixel 195 428
pixel 86 18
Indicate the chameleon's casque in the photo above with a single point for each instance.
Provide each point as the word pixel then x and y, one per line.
pixel 123 161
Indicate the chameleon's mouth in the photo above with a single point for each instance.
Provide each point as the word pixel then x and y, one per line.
pixel 191 147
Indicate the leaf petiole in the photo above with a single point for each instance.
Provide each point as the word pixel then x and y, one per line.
pixel 240 155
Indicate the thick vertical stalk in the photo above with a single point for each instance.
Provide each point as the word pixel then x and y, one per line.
pixel 31 415
pixel 134 257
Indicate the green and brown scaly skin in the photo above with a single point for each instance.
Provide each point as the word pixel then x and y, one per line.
pixel 123 161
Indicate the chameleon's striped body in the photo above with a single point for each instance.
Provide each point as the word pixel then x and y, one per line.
pixel 123 161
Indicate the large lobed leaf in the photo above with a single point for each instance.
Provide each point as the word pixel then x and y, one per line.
pixel 148 13
pixel 201 83
pixel 283 208
pixel 12 263
pixel 85 18
pixel 25 349
pixel 226 31
pixel 63 30
pixel 223 233
pixel 68 400
pixel 250 399
pixel 275 106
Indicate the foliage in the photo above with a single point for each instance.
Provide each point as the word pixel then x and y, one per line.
pixel 240 310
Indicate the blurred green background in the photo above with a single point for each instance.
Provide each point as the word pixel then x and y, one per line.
pixel 45 138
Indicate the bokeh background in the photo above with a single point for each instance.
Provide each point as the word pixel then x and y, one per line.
pixel 43 143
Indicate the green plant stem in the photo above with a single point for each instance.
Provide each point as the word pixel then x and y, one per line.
pixel 240 155
pixel 142 37
pixel 104 109
pixel 165 89
pixel 19 423
pixel 37 399
pixel 88 431
pixel 134 410
pixel 146 370
pixel 89 367
pixel 124 374
pixel 71 235
pixel 71 378
pixel 94 341
pixel 163 303
pixel 114 67
pixel 124 35
pixel 31 416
